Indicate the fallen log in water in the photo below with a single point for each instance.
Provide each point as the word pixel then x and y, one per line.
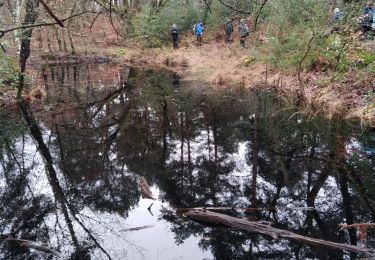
pixel 361 228
pixel 33 245
pixel 232 222
pixel 182 210
pixel 145 189
pixel 357 225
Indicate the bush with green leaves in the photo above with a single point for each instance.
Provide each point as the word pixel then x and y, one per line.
pixel 8 70
pixel 153 25
pixel 297 30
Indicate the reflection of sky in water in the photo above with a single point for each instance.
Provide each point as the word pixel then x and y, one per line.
pixel 232 174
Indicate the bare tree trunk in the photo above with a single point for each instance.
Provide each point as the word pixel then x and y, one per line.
pixel 58 38
pixel 30 17
pixel 16 18
pixel 64 41
pixel 71 42
pixel 40 40
pixel 49 42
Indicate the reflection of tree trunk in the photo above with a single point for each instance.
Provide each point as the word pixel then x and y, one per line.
pixel 311 196
pixel 182 143
pixel 369 202
pixel 343 183
pixel 53 180
pixel 52 176
pixel 46 85
pixel 214 135
pixel 146 130
pixel 310 169
pixel 279 186
pixel 165 131
pixel 188 127
pixel 255 159
pixel 347 205
pixel 209 142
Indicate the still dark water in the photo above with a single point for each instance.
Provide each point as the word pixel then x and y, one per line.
pixel 106 126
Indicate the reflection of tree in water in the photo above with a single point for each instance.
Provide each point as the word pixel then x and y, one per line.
pixel 202 148
pixel 21 209
pixel 295 159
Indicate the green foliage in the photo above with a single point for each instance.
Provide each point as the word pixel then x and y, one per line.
pixel 8 70
pixel 153 25
pixel 297 31
pixel 365 58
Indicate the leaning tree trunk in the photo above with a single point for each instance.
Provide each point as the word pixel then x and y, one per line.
pixel 30 18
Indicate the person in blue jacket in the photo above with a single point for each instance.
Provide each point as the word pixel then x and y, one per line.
pixel 198 31
pixel 369 9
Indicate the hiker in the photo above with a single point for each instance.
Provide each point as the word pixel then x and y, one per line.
pixel 228 27
pixel 175 36
pixel 366 19
pixel 337 15
pixel 243 29
pixel 369 9
pixel 198 31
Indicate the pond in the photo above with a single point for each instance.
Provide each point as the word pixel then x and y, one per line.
pixel 103 128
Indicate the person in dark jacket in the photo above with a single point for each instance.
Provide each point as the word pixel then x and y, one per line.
pixel 175 36
pixel 369 9
pixel 365 21
pixel 243 30
pixel 228 27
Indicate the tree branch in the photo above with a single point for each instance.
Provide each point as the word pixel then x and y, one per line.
pixel 4 31
pixel 233 8
pixel 51 13
pixel 259 13
pixel 208 6
pixel 96 17
pixel 110 17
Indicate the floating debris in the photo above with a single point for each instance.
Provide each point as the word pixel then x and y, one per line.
pixel 137 228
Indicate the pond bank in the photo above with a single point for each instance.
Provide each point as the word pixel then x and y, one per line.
pixel 221 66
